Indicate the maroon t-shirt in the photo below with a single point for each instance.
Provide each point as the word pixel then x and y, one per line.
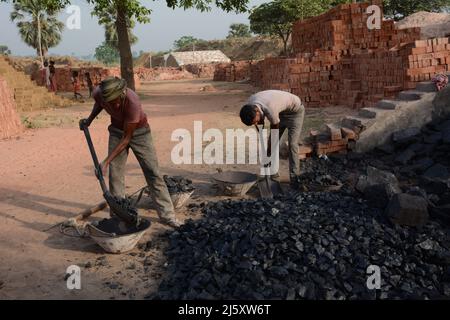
pixel 130 111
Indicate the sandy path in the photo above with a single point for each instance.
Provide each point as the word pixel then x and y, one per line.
pixel 46 176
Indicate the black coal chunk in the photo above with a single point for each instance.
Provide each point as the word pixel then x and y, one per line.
pixel 310 245
pixel 178 184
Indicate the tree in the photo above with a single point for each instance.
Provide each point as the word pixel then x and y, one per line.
pixel 4 50
pixel 277 18
pixel 185 41
pixel 133 10
pixel 108 19
pixel 38 26
pixel 399 9
pixel 239 30
pixel 107 53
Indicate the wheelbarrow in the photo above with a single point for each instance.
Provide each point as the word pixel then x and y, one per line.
pixel 234 183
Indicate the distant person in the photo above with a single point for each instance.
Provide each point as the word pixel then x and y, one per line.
pixel 90 85
pixel 76 85
pixel 284 111
pixel 53 86
pixel 45 74
pixel 130 129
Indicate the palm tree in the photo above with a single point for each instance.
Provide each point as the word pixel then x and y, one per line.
pixel 38 26
pixel 108 19
pixel 111 34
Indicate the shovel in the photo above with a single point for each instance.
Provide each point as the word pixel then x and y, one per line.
pixel 268 187
pixel 121 207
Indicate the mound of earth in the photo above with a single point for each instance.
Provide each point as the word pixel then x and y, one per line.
pixel 433 25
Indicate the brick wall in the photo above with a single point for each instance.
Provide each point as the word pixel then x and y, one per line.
pixel 10 124
pixel 97 74
pixel 234 71
pixel 201 70
pixel 63 74
pixel 344 28
pixel 339 61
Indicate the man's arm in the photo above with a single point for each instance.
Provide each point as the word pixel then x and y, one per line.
pixel 94 113
pixel 124 142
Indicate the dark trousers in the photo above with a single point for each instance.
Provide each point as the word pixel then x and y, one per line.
pixel 142 145
pixel 293 122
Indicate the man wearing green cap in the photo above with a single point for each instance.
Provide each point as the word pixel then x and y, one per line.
pixel 129 129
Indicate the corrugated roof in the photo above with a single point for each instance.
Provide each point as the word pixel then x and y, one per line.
pixel 205 56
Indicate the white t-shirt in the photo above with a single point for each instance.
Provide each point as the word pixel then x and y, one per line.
pixel 274 102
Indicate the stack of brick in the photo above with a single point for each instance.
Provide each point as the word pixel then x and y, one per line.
pixel 28 95
pixel 10 124
pixel 201 70
pixel 220 72
pixel 97 74
pixel 234 71
pixel 385 74
pixel 425 58
pixel 344 28
pixel 339 61
pixel 334 139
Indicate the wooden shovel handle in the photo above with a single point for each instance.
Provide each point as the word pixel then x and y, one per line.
pixel 90 211
pixel 83 214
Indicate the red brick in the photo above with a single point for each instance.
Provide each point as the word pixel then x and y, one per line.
pixel 348 133
pixel 334 132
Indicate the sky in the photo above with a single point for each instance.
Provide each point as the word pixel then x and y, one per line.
pixel 166 26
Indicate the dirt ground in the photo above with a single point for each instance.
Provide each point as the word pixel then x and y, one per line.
pixel 47 177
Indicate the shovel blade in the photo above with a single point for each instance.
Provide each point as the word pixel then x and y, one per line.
pixel 268 188
pixel 264 189
pixel 275 186
pixel 122 209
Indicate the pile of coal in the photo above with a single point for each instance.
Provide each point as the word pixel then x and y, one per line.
pixel 124 208
pixel 421 156
pixel 312 245
pixel 319 175
pixel 387 210
pixel 418 158
pixel 116 226
pixel 412 167
pixel 178 184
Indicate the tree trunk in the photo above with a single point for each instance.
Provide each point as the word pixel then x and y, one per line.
pixel 285 44
pixel 39 38
pixel 126 58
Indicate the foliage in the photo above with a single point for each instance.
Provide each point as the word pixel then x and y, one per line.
pixel 4 50
pixel 239 30
pixel 107 54
pixel 108 19
pixel 277 17
pixel 400 8
pixel 185 41
pixel 26 14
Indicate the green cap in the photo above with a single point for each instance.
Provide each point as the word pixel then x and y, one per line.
pixel 112 87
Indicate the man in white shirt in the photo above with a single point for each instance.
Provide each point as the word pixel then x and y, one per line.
pixel 284 111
